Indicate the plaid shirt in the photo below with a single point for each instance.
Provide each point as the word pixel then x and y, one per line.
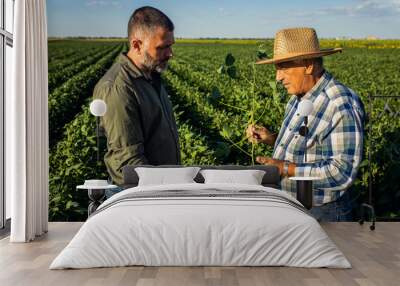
pixel 334 142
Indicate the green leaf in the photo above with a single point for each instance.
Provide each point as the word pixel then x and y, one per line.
pixel 221 69
pixel 272 84
pixel 226 131
pixel 53 179
pixel 68 205
pixel 231 71
pixel 74 167
pixel 229 59
pixel 215 95
pixel 188 136
pixel 364 163
pixel 222 150
pixel 202 149
pixel 261 54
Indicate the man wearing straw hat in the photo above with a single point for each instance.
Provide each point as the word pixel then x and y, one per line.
pixel 335 137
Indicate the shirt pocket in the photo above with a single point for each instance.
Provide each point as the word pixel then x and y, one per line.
pixel 314 149
pixel 296 147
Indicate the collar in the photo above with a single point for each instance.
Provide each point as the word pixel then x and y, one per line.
pixel 318 87
pixel 132 69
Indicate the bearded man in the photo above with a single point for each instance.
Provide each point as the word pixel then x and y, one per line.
pixel 139 123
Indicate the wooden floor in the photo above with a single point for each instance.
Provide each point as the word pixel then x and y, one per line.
pixel 374 255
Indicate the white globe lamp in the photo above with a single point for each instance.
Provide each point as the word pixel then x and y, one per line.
pixel 98 108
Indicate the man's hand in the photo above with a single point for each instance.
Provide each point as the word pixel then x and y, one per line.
pixel 260 134
pixel 270 161
pixel 277 163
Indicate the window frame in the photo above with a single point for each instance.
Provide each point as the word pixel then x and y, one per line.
pixel 6 39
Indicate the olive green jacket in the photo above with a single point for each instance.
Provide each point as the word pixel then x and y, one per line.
pixel 139 122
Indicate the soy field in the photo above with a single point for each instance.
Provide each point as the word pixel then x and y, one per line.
pixel 217 91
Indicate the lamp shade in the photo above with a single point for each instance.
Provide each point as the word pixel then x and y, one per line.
pixel 305 107
pixel 98 107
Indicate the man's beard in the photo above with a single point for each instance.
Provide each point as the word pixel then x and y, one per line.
pixel 152 65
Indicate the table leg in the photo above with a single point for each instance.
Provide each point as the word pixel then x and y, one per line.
pixel 96 197
pixel 305 193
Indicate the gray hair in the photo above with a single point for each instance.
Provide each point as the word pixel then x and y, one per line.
pixel 318 63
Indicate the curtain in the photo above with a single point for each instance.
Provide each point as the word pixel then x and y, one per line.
pixel 27 124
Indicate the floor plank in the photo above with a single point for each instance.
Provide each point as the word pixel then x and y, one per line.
pixel 374 255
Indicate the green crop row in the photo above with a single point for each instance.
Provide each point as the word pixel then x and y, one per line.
pixel 222 126
pixel 58 64
pixel 63 49
pixel 57 78
pixel 65 101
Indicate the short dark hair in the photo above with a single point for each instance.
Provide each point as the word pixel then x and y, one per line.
pixel 319 61
pixel 148 18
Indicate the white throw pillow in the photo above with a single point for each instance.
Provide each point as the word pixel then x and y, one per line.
pixel 165 176
pixel 248 177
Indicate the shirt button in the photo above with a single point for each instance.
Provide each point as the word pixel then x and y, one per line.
pixel 298 114
pixel 290 129
pixel 296 136
pixel 281 144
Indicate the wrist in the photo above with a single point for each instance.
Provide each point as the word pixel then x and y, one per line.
pixel 285 169
pixel 292 170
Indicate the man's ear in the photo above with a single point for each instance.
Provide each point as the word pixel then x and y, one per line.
pixel 309 67
pixel 136 45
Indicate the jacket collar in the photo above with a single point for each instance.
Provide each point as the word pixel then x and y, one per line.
pixel 132 69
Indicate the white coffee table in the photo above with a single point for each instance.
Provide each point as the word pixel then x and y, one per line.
pixel 96 195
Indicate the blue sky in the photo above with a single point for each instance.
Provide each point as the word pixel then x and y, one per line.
pixel 227 19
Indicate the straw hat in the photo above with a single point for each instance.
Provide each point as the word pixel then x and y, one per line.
pixel 295 44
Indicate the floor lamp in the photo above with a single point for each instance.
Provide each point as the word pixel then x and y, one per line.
pixel 98 108
pixel 305 184
pixel 96 188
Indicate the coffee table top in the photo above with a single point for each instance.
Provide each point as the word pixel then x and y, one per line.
pixel 89 187
pixel 304 178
